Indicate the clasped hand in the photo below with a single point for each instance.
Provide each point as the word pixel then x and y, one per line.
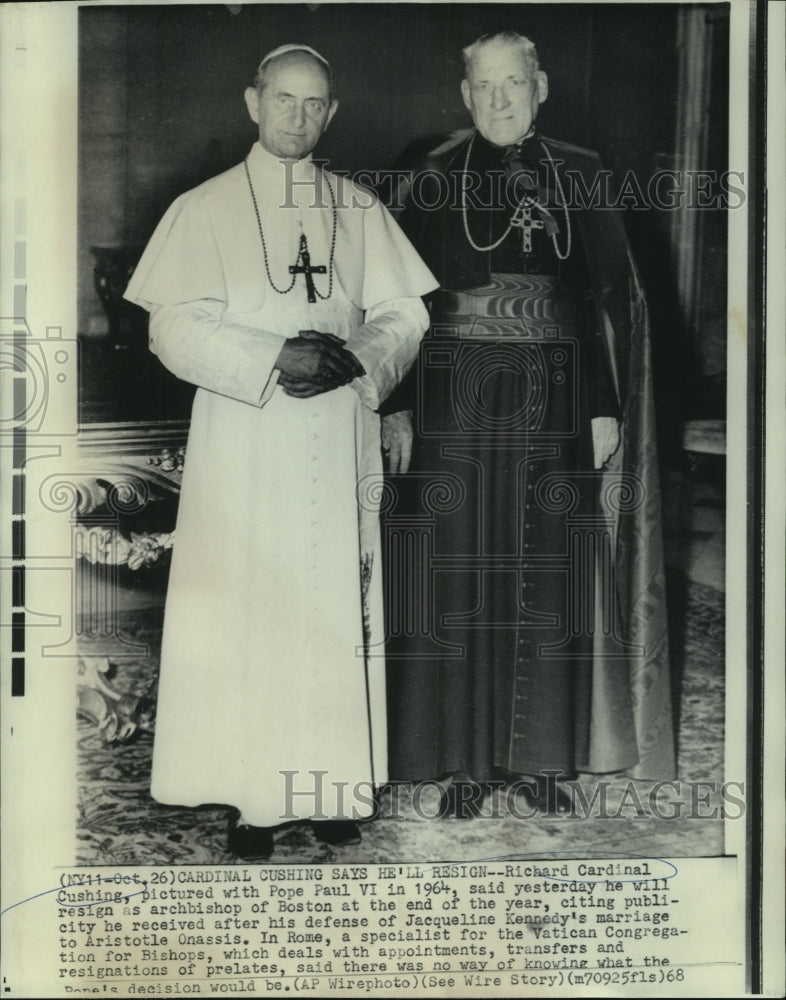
pixel 315 362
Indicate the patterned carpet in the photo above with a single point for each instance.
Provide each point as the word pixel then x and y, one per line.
pixel 119 824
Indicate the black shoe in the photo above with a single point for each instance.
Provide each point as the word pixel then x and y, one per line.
pixel 336 832
pixel 462 800
pixel 545 795
pixel 252 843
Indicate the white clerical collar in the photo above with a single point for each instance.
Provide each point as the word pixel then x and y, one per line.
pixel 527 135
pixel 265 162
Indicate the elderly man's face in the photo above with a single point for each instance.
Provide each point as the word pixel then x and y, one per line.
pixel 502 95
pixel 294 107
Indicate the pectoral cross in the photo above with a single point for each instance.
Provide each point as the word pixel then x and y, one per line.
pixel 522 219
pixel 307 269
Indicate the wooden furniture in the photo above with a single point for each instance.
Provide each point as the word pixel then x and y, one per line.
pixel 122 469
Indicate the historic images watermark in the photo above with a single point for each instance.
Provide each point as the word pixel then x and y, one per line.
pixel 663 190
pixel 498 800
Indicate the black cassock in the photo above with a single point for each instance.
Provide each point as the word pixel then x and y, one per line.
pixel 510 641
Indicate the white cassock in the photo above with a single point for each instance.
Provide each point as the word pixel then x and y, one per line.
pixel 272 657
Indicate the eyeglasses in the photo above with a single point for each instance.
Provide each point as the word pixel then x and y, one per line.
pixel 313 106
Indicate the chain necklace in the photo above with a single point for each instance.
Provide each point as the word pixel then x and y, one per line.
pixel 306 269
pixel 525 204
